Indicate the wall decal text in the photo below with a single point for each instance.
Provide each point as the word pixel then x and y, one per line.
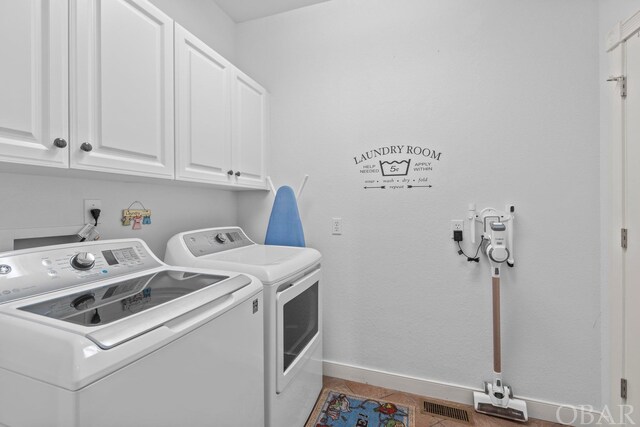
pixel 397 167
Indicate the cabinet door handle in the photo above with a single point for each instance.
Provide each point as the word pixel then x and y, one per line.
pixel 229 172
pixel 60 142
pixel 86 147
pixel 238 173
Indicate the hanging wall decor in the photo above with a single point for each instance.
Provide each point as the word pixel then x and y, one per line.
pixel 136 217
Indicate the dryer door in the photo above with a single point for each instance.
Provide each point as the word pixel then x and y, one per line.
pixel 298 326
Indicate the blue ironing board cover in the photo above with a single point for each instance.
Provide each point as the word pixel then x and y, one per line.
pixel 285 227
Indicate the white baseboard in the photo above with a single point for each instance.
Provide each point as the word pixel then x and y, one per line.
pixel 455 393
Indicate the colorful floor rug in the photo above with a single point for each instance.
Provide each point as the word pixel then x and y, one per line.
pixel 346 410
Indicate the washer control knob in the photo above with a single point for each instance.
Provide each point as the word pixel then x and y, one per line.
pixel 221 238
pixel 83 302
pixel 83 261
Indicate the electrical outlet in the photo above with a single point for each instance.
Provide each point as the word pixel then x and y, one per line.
pixel 336 226
pixel 457 225
pixel 88 205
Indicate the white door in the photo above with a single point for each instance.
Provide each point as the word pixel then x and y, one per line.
pixel 249 132
pixel 631 255
pixel 121 87
pixel 33 82
pixel 203 111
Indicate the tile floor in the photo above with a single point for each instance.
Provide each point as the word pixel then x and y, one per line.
pixel 422 420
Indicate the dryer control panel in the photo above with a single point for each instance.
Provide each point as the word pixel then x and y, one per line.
pixel 214 240
pixel 47 269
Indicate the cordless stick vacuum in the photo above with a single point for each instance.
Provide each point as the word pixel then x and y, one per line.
pixel 497 236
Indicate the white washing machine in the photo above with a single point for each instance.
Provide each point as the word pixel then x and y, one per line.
pixel 292 310
pixel 105 334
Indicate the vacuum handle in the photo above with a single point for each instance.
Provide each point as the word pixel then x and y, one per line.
pixel 471 216
pixel 497 351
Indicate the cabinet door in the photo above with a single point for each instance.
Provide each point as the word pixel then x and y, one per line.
pixel 121 87
pixel 249 131
pixel 33 82
pixel 203 111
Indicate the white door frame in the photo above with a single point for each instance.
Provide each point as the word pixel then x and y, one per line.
pixel 623 31
pixel 616 290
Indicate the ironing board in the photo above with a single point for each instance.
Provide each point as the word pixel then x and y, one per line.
pixel 285 227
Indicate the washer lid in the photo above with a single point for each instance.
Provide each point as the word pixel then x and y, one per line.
pixel 112 314
pixel 71 355
pixel 108 303
pixel 222 293
pixel 270 264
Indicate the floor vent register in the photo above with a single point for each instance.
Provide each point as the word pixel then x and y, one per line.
pixel 446 411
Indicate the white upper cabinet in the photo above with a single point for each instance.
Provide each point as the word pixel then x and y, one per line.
pixel 221 117
pixel 33 82
pixel 203 114
pixel 90 84
pixel 121 74
pixel 249 130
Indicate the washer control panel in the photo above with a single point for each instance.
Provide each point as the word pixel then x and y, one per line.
pixel 41 270
pixel 215 240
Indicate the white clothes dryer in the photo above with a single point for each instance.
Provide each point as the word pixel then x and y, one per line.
pixel 292 310
pixel 103 334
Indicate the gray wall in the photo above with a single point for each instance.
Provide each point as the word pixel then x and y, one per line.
pixel 508 92
pixel 34 201
pixel 205 20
